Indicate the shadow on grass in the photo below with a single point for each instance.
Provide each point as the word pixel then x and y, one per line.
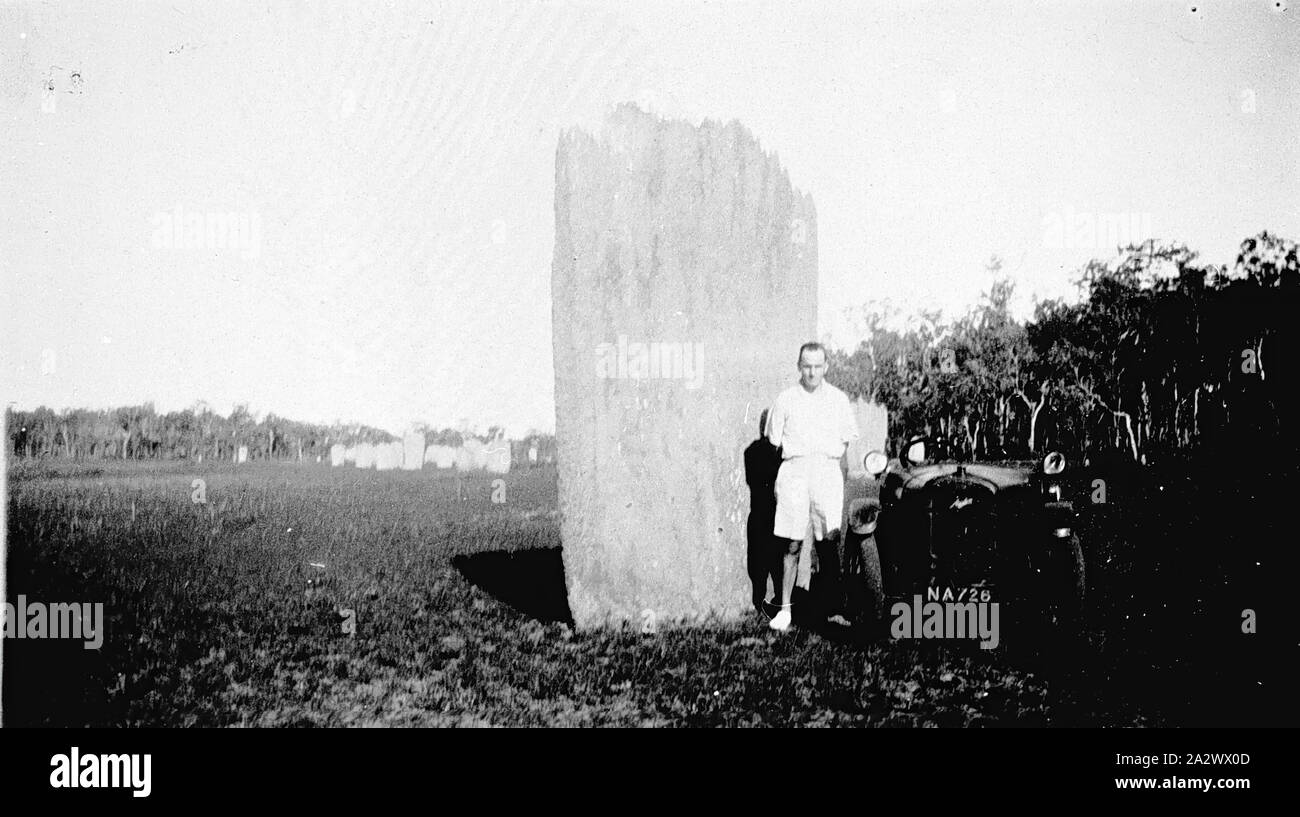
pixel 531 581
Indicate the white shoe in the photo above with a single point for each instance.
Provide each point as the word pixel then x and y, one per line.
pixel 781 621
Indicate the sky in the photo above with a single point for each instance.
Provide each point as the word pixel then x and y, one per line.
pixel 375 183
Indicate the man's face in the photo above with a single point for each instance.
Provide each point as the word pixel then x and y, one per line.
pixel 812 368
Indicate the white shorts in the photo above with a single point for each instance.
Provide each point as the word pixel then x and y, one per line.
pixel 808 488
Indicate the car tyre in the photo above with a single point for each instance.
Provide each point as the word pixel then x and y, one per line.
pixel 868 593
pixel 1070 591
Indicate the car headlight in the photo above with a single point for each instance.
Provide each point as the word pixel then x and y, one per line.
pixel 1061 533
pixel 875 463
pixel 1054 463
pixel 915 453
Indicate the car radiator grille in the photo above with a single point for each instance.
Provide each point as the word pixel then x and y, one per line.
pixel 962 541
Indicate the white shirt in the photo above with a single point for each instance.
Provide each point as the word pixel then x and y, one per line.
pixel 803 423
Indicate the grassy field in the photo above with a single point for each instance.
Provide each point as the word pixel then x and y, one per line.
pixel 460 620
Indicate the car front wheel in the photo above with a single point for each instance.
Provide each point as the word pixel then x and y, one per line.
pixel 867 594
pixel 1070 588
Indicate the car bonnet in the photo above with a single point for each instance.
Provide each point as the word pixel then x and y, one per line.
pixel 1000 476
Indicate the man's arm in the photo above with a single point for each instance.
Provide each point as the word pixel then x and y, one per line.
pixel 848 425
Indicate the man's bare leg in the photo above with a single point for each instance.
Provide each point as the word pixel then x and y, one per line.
pixel 830 577
pixel 787 570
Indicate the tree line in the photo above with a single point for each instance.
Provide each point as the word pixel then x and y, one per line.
pixel 196 433
pixel 1160 356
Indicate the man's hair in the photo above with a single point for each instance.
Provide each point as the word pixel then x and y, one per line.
pixel 811 346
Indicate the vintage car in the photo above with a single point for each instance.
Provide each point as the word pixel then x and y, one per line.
pixel 939 524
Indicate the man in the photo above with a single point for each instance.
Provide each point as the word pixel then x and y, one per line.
pixel 812 423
